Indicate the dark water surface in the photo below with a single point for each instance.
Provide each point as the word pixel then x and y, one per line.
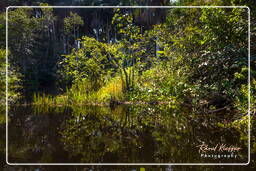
pixel 124 134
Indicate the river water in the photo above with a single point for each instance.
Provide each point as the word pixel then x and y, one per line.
pixel 123 134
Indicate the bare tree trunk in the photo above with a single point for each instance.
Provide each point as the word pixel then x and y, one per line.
pixel 64 44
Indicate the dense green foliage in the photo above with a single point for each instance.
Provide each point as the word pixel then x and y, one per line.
pixel 200 64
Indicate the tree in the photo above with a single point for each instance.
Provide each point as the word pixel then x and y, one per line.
pixel 128 40
pixel 33 46
pixel 90 62
pixel 71 30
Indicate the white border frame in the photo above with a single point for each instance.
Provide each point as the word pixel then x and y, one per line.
pixel 163 7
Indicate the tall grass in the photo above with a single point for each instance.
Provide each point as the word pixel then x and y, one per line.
pixel 156 84
pixel 82 93
pixel 43 99
pixel 112 90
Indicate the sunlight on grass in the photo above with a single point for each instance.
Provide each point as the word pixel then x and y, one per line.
pixel 112 90
pixel 82 93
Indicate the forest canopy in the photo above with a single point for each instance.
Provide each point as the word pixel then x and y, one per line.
pixel 156 54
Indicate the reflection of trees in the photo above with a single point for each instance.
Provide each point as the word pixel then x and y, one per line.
pixel 2 144
pixel 124 134
pixel 139 134
pixel 33 137
pixel 2 134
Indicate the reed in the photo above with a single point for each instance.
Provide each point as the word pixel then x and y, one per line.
pixel 82 93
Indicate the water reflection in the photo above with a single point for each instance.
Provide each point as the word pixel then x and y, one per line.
pixel 124 134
